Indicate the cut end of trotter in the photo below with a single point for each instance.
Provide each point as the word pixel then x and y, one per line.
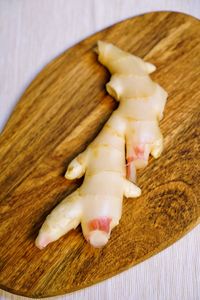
pixel 98 238
pixel 99 231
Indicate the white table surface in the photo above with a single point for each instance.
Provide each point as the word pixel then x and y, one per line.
pixel 31 34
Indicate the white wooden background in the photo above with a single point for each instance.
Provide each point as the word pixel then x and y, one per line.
pixel 31 34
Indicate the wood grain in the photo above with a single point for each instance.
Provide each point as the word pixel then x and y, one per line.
pixel 58 115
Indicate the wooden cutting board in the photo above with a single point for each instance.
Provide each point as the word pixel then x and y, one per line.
pixel 59 114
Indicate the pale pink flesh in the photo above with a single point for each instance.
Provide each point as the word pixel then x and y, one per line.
pixel 42 242
pixel 137 157
pixel 102 223
pixel 99 231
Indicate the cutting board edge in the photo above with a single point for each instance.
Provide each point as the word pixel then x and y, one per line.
pixel 62 53
pixel 167 244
